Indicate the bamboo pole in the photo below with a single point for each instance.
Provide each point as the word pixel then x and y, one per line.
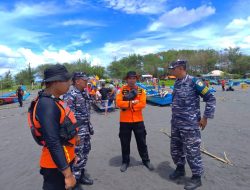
pixel 204 151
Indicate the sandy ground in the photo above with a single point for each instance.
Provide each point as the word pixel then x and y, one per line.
pixel 228 132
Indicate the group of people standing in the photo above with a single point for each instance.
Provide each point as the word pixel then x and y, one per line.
pixel 63 162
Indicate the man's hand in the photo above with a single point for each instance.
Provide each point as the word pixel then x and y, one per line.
pixel 203 123
pixel 135 101
pixel 69 179
pixel 78 139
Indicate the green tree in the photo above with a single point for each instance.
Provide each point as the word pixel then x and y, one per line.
pixel 7 81
pixel 25 76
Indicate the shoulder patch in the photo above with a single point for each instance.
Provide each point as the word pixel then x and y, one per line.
pixel 199 83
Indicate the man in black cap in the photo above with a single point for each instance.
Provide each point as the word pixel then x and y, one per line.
pixel 186 121
pixel 50 112
pixel 131 100
pixel 78 100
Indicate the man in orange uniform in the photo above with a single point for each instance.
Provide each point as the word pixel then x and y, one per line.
pixel 49 116
pixel 131 100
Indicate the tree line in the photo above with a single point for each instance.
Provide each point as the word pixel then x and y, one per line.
pixel 229 60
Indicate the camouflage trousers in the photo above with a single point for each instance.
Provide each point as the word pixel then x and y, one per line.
pixel 82 152
pixel 185 145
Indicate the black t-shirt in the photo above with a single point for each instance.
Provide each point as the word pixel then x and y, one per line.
pixel 19 92
pixel 104 92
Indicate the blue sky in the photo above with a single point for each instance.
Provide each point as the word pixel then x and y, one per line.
pixel 39 32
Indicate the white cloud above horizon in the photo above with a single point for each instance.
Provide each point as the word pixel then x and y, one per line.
pixel 81 22
pixel 180 17
pixel 137 6
pixel 16 60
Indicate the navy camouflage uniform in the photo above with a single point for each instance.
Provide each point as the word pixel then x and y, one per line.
pixel 79 103
pixel 185 132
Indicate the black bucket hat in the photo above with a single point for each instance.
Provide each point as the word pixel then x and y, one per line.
pixel 56 73
pixel 131 74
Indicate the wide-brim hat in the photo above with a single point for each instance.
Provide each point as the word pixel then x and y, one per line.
pixel 131 74
pixel 56 73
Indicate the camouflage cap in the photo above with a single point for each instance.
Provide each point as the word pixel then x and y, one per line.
pixel 81 75
pixel 177 63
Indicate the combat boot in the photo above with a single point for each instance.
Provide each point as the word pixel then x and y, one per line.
pixel 178 173
pixel 85 180
pixel 193 183
pixel 77 187
pixel 148 165
pixel 124 167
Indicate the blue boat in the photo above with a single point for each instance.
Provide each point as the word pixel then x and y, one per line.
pixel 247 81
pixel 155 97
pixel 100 106
pixel 11 97
pixel 160 100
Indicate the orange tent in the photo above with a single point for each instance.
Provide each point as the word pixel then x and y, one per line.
pixel 171 77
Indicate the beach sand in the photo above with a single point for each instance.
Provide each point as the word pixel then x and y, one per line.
pixel 228 132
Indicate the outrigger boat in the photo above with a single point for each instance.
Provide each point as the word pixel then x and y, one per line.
pixel 100 106
pixel 156 97
pixel 11 97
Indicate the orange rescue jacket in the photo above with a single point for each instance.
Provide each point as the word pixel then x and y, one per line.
pixel 46 160
pixel 131 112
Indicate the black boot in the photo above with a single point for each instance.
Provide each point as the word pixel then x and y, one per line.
pixel 85 180
pixel 178 173
pixel 193 183
pixel 148 165
pixel 77 187
pixel 124 167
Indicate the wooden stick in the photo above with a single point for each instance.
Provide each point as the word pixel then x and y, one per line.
pixel 204 151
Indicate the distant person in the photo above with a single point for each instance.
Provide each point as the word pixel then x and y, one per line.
pixel 230 85
pixel 104 92
pixel 131 100
pixel 104 96
pixel 20 93
pixel 207 83
pixel 223 82
pixel 186 121
pixel 112 94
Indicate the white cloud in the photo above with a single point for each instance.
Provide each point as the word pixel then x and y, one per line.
pixel 76 2
pixel 124 48
pixel 238 24
pixel 16 60
pixel 81 22
pixel 137 6
pixel 96 62
pixel 22 10
pixel 180 17
pixel 7 52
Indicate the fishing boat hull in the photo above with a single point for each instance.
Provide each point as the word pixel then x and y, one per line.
pixel 100 106
pixel 11 97
pixel 161 101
